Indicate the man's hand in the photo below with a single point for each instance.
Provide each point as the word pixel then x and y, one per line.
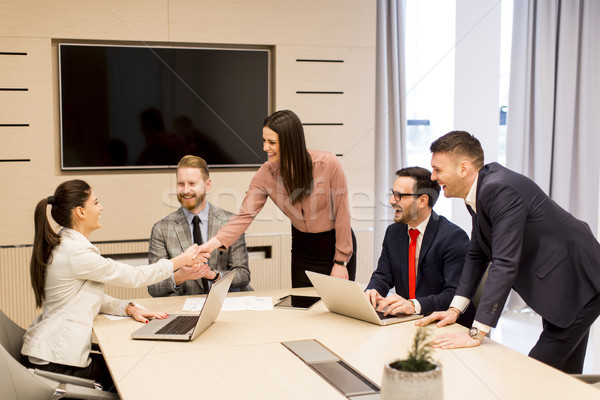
pixel 374 297
pixel 339 271
pixel 445 317
pixel 455 341
pixel 395 304
pixel 188 272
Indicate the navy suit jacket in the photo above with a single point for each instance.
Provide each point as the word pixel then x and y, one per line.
pixel 441 261
pixel 548 256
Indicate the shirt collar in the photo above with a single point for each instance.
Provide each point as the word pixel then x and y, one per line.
pixel 203 214
pixel 422 226
pixel 472 195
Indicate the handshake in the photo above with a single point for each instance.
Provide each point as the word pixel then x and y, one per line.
pixel 192 264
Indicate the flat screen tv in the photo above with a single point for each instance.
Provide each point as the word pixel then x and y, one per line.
pixel 134 107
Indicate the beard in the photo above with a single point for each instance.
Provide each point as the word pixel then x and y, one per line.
pixel 404 217
pixel 192 202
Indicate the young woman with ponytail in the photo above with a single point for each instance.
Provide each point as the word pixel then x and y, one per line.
pixel 68 276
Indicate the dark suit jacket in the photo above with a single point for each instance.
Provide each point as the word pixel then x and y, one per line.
pixel 441 260
pixel 171 236
pixel 548 256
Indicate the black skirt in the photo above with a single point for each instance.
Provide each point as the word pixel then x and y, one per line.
pixel 315 252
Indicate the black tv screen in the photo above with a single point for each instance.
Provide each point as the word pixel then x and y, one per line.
pixel 127 107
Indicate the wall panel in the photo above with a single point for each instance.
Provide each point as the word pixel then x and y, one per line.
pixel 289 22
pixel 86 19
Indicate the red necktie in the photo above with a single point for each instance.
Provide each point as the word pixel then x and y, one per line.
pixel 412 270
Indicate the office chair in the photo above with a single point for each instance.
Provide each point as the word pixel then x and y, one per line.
pixel 17 382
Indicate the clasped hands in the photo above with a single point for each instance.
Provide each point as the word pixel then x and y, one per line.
pixel 195 265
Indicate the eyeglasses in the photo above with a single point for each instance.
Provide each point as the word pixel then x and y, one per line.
pixel 398 196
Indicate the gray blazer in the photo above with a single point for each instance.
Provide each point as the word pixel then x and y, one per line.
pixel 171 236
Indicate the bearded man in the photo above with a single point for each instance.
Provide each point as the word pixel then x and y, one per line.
pixel 194 222
pixel 422 254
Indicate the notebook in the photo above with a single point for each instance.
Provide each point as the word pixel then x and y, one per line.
pixel 186 327
pixel 347 298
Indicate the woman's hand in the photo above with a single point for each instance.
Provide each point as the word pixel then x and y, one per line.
pixel 142 315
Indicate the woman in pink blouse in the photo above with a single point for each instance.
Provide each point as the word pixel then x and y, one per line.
pixel 310 187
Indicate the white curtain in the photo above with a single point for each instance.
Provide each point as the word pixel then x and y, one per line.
pixel 554 109
pixel 554 101
pixel 390 114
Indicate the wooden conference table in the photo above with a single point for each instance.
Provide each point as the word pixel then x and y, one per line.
pixel 241 357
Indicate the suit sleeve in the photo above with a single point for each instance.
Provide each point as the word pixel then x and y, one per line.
pixel 454 249
pixel 157 250
pixel 382 279
pixel 238 260
pixel 507 216
pixel 87 264
pixel 113 306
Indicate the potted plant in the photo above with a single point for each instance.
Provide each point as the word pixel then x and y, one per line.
pixel 418 376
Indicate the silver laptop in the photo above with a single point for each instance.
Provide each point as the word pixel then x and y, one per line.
pixel 347 298
pixel 186 327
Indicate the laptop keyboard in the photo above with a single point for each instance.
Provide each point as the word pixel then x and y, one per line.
pixel 179 326
pixel 381 316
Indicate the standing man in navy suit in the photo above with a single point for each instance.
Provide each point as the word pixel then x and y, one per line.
pixel 428 284
pixel 549 257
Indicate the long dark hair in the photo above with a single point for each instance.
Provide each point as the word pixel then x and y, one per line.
pixel 67 196
pixel 296 163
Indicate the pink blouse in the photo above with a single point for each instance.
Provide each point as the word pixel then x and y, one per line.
pixel 324 209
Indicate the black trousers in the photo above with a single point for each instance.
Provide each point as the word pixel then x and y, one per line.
pixel 564 348
pixel 97 370
pixel 314 252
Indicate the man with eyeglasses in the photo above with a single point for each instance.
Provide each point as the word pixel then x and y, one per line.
pixel 422 254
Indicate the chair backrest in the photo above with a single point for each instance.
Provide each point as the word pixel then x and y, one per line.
pixel 18 383
pixel 11 336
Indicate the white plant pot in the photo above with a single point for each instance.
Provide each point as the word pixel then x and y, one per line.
pixel 404 385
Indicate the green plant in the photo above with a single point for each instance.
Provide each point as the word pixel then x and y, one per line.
pixel 419 356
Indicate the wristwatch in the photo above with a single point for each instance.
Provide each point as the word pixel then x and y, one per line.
pixel 475 333
pixel 342 263
pixel 217 276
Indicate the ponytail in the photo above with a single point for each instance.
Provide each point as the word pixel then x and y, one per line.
pixel 45 240
pixel 68 195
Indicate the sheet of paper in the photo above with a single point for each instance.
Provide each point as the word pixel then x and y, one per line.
pixel 252 303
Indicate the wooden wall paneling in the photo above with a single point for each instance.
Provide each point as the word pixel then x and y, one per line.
pixel 311 22
pixel 322 114
pixel 140 20
pixel 16 296
pixel 135 200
